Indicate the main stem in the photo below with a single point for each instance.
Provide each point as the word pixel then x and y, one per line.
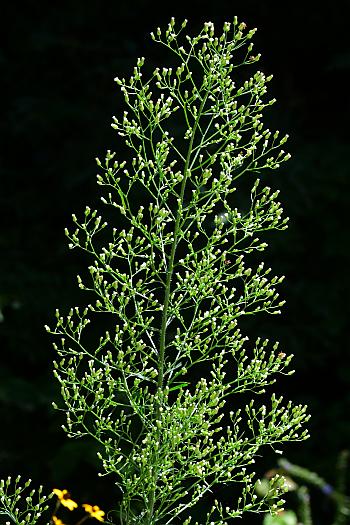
pixel 168 289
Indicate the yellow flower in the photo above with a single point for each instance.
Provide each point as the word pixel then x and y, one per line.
pixel 57 521
pixel 94 511
pixel 64 498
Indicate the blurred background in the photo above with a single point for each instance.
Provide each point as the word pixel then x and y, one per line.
pixel 58 61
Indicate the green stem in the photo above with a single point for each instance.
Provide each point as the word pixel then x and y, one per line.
pixel 172 254
pixel 82 520
pixel 163 329
pixel 304 506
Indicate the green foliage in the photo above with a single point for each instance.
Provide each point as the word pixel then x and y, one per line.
pixel 19 505
pixel 172 282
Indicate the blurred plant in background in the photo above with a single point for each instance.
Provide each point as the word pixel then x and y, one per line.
pixel 299 481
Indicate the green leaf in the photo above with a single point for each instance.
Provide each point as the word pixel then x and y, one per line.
pixel 177 387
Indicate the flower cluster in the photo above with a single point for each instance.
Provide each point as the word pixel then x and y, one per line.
pixel 174 278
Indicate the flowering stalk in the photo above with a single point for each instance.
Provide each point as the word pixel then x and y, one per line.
pixel 172 282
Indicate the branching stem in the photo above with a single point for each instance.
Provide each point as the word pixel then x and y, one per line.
pixel 168 290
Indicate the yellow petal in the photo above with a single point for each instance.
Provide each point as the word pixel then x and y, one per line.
pixel 69 503
pixel 57 521
pixel 94 511
pixel 59 493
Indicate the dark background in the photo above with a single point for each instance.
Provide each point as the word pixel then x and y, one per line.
pixel 58 61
